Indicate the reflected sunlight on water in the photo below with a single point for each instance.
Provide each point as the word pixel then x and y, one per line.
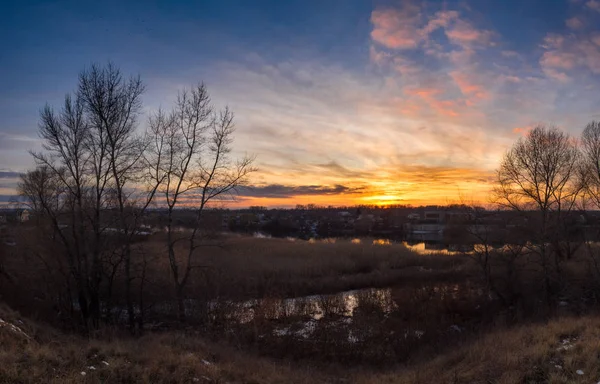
pixel 382 242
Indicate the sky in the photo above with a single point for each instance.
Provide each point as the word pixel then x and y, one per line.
pixel 342 102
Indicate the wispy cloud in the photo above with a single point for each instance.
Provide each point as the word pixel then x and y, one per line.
pixel 574 23
pixel 397 28
pixel 15 141
pixel 593 5
pixel 291 191
pixel 9 174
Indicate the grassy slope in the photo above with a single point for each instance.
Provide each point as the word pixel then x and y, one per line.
pixel 541 353
pixel 46 356
pixel 528 354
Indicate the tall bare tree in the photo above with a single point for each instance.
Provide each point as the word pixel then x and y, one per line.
pixel 191 159
pixel 91 174
pixel 64 165
pixel 540 174
pixel 113 105
pixel 590 174
pixel 92 153
pixel 590 142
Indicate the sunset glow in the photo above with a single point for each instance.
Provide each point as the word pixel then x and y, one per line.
pixel 380 102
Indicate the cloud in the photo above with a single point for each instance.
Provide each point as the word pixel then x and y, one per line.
pixel 523 131
pixel 464 34
pixel 509 53
pixel 574 23
pixel 452 80
pixel 594 5
pixel 441 19
pixel 397 28
pixel 568 54
pixel 434 100
pixel 9 174
pixel 558 60
pixel 469 87
pixel 407 27
pixel 287 191
pixel 16 141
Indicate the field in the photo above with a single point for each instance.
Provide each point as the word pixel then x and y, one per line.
pixel 244 267
pixel 277 311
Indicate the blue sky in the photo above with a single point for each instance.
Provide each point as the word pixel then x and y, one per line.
pixel 399 101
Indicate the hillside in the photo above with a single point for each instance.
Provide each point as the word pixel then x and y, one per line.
pixel 561 351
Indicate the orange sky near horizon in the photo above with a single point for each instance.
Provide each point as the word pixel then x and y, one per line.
pixel 416 186
pixel 408 102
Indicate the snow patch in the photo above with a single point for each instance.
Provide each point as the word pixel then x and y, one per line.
pixel 14 328
pixel 566 344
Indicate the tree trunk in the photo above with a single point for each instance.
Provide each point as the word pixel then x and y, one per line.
pixel 180 303
pixel 130 309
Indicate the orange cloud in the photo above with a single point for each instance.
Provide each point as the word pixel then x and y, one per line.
pixel 403 28
pixel 425 93
pixel 441 19
pixel 570 52
pixel 469 88
pixel 464 34
pixel 557 59
pixel 435 101
pixel 397 29
pixel 522 130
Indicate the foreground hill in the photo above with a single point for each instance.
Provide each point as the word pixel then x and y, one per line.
pixel 561 351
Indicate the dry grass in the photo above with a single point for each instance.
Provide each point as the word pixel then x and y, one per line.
pixel 541 353
pixel 49 357
pixel 249 267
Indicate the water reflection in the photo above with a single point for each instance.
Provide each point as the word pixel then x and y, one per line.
pixel 314 307
pixel 439 247
pixel 363 302
pixel 420 247
pixel 364 324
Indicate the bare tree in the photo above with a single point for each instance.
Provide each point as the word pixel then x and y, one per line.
pixel 590 142
pixel 65 163
pixel 92 159
pixel 112 107
pixel 91 176
pixel 590 175
pixel 539 177
pixel 190 158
